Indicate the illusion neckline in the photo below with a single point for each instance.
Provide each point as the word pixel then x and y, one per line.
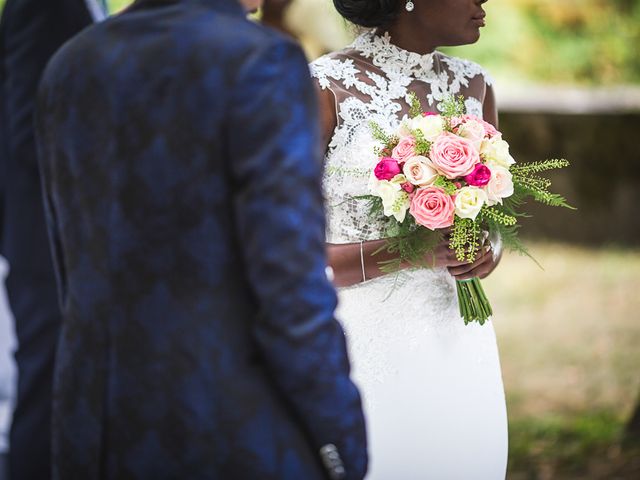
pixel 383 52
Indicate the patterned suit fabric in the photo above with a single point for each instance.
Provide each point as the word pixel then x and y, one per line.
pixel 181 167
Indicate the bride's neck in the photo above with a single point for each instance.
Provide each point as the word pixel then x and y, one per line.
pixel 409 36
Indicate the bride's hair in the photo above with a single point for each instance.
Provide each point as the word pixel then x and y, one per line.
pixel 369 13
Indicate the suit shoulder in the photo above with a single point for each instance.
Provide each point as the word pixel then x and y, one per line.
pixel 244 35
pixel 74 50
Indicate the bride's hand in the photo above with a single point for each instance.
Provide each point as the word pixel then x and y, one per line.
pixel 481 267
pixel 442 255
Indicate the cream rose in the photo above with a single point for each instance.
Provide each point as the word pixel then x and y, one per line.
pixel 469 201
pixel 473 131
pixel 496 150
pixel 395 200
pixel 420 171
pixel 500 186
pixel 431 126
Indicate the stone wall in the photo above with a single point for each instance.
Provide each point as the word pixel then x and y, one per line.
pixel 603 181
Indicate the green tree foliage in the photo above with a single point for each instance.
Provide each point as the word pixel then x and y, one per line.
pixel 568 41
pixel 572 41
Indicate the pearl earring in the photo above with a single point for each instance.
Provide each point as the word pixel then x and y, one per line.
pixel 409 6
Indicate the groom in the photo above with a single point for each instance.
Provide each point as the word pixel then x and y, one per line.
pixel 179 153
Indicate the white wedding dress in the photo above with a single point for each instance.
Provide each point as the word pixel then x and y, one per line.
pixel 432 387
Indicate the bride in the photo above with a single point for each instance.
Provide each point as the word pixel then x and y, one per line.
pixel 432 387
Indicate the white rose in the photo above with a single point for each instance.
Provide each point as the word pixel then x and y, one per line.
pixel 420 171
pixel 496 150
pixel 473 131
pixel 501 184
pixel 469 202
pixel 394 199
pixel 431 126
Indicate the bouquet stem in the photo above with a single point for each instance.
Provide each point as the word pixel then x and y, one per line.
pixel 474 304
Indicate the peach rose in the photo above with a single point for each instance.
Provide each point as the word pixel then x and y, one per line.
pixel 406 148
pixel 473 131
pixel 500 186
pixel 489 130
pixel 420 171
pixel 432 208
pixel 454 156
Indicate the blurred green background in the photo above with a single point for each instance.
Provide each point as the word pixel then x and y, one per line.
pixel 589 42
pixel 569 335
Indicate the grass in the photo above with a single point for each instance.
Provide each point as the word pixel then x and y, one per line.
pixel 569 338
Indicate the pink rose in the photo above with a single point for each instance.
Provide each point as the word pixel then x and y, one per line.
pixel 429 114
pixel 432 208
pixel 387 168
pixel 454 156
pixel 489 130
pixel 479 177
pixel 406 148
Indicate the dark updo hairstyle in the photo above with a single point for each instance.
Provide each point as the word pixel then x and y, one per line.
pixel 369 13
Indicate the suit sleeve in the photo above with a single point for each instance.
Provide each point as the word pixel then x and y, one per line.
pixel 276 166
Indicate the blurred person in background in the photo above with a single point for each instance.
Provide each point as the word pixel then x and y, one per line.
pixel 273 15
pixel 30 32
pixel 314 23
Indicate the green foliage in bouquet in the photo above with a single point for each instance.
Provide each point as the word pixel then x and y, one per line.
pixel 388 141
pixel 527 183
pixel 503 219
pixel 407 241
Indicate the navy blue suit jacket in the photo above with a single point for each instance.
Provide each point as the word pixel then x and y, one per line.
pixel 30 32
pixel 179 149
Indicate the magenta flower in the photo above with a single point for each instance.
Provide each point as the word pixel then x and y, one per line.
pixel 479 177
pixel 387 168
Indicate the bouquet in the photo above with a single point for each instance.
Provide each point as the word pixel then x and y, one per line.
pixel 452 171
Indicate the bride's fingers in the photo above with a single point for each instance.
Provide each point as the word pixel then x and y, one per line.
pixel 479 271
pixel 471 270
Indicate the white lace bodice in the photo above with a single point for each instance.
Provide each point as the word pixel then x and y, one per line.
pixel 371 81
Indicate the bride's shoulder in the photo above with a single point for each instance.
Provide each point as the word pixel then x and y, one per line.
pixel 461 68
pixel 334 66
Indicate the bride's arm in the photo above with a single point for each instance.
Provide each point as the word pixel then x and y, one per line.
pixel 349 267
pixel 489 107
pixel 345 259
